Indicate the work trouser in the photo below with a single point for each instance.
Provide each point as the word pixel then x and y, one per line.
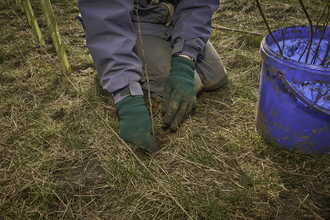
pixel 210 74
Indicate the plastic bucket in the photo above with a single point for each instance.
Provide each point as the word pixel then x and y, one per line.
pixel 293 109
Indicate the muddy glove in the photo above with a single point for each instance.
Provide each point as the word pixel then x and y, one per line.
pixel 179 92
pixel 135 123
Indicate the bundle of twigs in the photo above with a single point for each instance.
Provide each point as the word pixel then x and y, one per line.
pixel 322 24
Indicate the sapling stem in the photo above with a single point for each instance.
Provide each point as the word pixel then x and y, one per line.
pixel 325 24
pixel 145 70
pixel 270 32
pixel 312 32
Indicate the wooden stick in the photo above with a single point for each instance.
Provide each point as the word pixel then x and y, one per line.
pixel 55 34
pixel 236 30
pixel 32 21
pixel 270 32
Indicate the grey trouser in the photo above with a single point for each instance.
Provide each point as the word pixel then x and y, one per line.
pixel 210 74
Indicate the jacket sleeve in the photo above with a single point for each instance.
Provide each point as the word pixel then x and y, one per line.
pixel 110 38
pixel 192 26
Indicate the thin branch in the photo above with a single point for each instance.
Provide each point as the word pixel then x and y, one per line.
pixel 325 28
pixel 325 24
pixel 307 43
pixel 311 24
pixel 145 70
pixel 270 32
pixel 325 59
pixel 321 38
pixel 322 13
pixel 236 30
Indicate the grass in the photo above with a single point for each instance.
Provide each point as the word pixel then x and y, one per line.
pixel 61 158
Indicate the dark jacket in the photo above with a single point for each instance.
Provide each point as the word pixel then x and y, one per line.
pixel 111 33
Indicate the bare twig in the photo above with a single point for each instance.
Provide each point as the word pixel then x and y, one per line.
pixel 145 70
pixel 270 32
pixel 304 51
pixel 307 43
pixel 325 59
pixel 318 22
pixel 312 32
pixel 236 30
pixel 318 46
pixel 324 29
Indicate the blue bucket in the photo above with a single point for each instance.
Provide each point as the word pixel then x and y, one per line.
pixel 293 109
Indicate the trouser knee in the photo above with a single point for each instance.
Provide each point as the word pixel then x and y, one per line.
pixel 211 70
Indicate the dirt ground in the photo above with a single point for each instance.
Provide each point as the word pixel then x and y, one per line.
pixel 60 157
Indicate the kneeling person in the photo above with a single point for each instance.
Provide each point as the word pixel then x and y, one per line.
pixel 180 59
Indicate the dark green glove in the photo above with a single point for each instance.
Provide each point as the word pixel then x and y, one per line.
pixel 179 92
pixel 135 123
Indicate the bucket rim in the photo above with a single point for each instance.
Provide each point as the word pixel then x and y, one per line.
pixel 266 48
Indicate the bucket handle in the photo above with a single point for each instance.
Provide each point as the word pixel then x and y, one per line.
pixel 304 99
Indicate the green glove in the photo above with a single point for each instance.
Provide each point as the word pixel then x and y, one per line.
pixel 135 123
pixel 179 92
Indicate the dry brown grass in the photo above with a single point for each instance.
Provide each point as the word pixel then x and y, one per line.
pixel 60 158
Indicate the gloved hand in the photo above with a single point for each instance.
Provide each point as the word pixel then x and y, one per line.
pixel 179 92
pixel 135 123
